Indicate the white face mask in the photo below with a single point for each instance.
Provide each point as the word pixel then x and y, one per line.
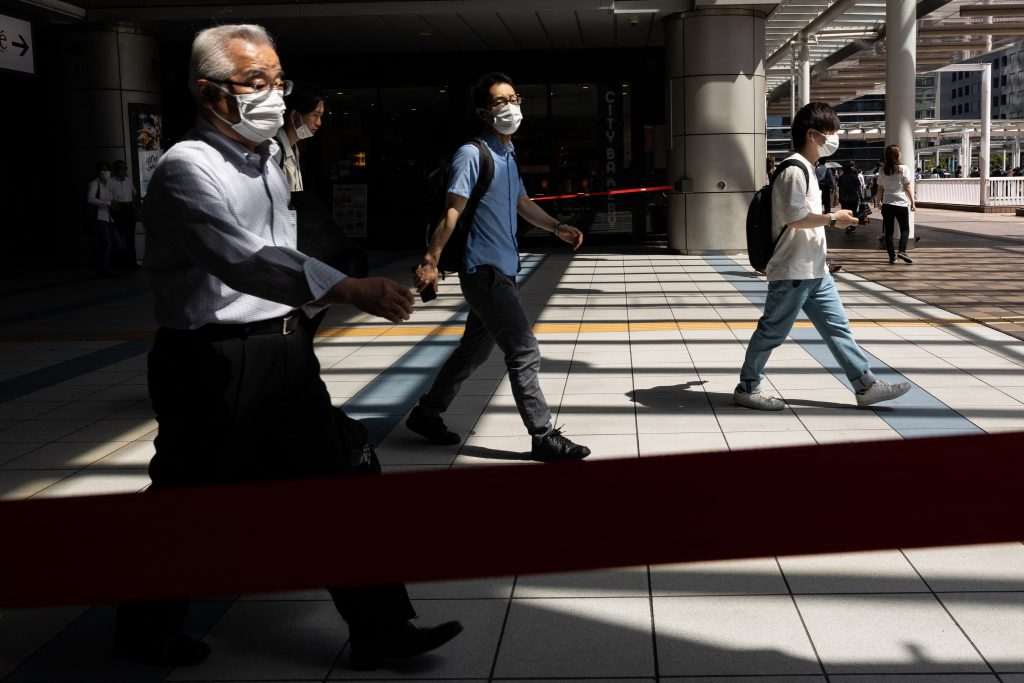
pixel 104 175
pixel 507 119
pixel 830 146
pixel 302 131
pixel 261 114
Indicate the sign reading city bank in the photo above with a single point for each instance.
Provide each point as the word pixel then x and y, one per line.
pixel 16 51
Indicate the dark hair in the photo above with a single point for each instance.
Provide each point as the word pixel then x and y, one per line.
pixel 101 166
pixel 304 98
pixel 892 160
pixel 117 163
pixel 813 116
pixel 482 88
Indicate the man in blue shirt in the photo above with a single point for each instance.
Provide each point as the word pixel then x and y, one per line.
pixel 488 278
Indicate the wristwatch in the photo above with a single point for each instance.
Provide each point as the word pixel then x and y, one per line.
pixel 558 225
pixel 831 220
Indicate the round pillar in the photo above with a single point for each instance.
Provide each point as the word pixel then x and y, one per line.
pixel 901 80
pixel 101 70
pixel 805 72
pixel 717 126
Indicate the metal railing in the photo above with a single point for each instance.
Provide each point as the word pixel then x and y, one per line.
pixel 967 191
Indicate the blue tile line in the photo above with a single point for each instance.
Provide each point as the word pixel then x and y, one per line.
pixel 385 400
pixel 40 379
pixel 917 413
pixel 21 385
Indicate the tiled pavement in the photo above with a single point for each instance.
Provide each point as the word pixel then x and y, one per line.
pixel 969 264
pixel 641 352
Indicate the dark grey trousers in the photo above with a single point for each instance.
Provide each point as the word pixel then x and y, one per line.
pixel 496 316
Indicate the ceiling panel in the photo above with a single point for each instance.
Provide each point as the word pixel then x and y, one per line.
pixel 416 35
pixel 598 28
pixel 491 29
pixel 562 29
pixel 632 30
pixel 456 31
pixel 526 28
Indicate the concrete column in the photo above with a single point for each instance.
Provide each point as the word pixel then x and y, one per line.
pixel 805 71
pixel 965 153
pixel 99 70
pixel 717 111
pixel 986 131
pixel 901 79
pixel 1016 152
pixel 792 84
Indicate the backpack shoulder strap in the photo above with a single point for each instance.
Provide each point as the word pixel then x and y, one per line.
pixel 483 182
pixel 792 162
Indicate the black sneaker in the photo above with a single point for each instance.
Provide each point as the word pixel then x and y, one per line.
pixel 432 427
pixel 905 258
pixel 553 446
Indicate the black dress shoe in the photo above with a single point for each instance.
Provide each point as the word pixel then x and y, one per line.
pixel 432 427
pixel 553 446
pixel 178 650
pixel 407 641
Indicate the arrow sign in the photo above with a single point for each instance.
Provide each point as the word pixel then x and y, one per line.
pixel 21 58
pixel 23 45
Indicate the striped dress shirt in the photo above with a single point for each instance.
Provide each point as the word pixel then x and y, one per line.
pixel 220 238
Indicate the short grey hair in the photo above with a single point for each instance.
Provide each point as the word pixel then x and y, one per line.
pixel 210 51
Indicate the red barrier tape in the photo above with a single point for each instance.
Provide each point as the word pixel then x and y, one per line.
pixel 581 195
pixel 493 521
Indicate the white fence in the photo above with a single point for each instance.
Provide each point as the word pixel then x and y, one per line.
pixel 1001 191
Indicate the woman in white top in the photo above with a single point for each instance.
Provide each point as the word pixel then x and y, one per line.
pixel 104 236
pixel 896 195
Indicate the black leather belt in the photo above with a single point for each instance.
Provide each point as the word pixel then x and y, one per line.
pixel 282 326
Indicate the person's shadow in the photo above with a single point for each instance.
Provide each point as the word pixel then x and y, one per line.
pixel 671 398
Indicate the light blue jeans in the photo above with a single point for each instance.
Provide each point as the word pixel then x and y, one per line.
pixel 819 299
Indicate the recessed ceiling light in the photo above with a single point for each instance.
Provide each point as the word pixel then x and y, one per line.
pixel 425 34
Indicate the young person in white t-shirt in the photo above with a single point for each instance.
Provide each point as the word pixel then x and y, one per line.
pixel 896 195
pixel 798 277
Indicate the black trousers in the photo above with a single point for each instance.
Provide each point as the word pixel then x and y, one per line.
pixel 247 408
pixel 124 221
pixel 891 214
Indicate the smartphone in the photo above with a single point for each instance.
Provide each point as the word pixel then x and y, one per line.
pixel 428 293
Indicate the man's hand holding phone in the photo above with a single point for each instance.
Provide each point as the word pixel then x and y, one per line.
pixel 424 279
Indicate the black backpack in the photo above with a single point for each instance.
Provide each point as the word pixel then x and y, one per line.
pixel 760 245
pixel 454 252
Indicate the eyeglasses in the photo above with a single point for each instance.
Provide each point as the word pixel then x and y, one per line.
pixel 284 87
pixel 499 102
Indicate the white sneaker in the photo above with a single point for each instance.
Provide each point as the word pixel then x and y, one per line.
pixel 881 391
pixel 757 401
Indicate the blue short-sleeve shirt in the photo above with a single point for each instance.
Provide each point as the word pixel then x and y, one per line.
pixel 492 237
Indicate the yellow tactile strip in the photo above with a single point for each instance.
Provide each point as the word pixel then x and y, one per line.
pixel 540 328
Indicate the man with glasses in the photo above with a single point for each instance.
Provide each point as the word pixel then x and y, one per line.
pixel 233 378
pixel 488 278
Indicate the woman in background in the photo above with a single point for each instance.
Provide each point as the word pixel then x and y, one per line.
pixel 896 195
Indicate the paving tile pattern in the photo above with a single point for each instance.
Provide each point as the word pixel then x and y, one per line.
pixel 641 352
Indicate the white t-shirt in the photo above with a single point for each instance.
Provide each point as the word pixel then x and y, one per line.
pixel 800 254
pixel 893 185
